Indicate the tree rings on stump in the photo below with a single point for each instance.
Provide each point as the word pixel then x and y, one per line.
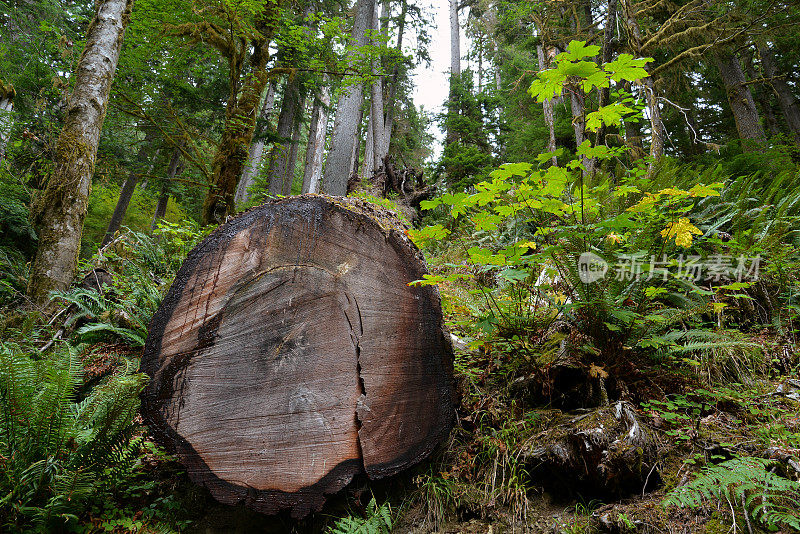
pixel 290 354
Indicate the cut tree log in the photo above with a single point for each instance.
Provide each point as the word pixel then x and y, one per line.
pixel 290 355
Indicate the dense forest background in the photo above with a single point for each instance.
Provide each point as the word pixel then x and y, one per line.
pixel 646 136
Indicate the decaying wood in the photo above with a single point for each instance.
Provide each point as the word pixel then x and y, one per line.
pixel 406 186
pixel 290 355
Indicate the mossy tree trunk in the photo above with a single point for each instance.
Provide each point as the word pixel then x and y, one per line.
pixel 246 88
pixel 231 156
pixel 740 99
pixel 59 212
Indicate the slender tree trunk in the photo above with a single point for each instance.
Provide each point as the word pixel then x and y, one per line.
pixel 339 163
pixel 455 66
pixel 256 152
pixel 316 139
pixel 163 197
pixel 356 148
pixel 789 105
pixel 740 99
pixel 392 96
pixel 658 134
pixel 127 191
pixel 7 94
pixel 376 102
pixel 455 40
pixel 291 163
pixel 59 212
pixel 577 101
pixel 604 94
pixel 547 107
pixel 369 150
pixel 633 132
pixel 161 206
pixel 281 152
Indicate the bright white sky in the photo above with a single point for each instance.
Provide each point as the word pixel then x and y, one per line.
pixel 431 85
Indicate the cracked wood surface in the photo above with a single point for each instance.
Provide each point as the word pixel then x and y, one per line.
pixel 290 355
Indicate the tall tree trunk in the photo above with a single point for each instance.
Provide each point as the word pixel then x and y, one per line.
pixel 240 120
pixel 604 94
pixel 369 150
pixel 455 66
pixel 127 191
pixel 338 166
pixel 376 102
pixel 256 152
pixel 658 134
pixel 356 147
pixel 786 98
pixel 316 139
pixel 294 149
pixel 455 40
pixel 7 94
pixel 277 176
pixel 547 107
pixel 761 96
pixel 740 99
pixel 633 132
pixel 395 81
pixel 59 212
pixel 163 197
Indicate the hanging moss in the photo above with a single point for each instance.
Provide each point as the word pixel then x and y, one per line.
pixel 72 157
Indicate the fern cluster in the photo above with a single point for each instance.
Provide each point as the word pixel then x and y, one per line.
pixel 378 520
pixel 55 447
pixel 749 483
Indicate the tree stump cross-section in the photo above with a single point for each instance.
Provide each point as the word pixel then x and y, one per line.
pixel 290 355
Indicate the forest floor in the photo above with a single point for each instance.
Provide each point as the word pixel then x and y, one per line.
pixel 515 468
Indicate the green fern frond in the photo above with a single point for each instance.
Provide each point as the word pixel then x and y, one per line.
pixel 768 497
pixel 377 521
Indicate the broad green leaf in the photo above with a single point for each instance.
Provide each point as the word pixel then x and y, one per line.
pixel 547 85
pixel 514 275
pixel 597 79
pixel 547 156
pixel 581 69
pixel 711 190
pixel 607 115
pixel 577 50
pixel 625 67
pixel 507 170
pixel 736 286
pixel 486 221
pixel 600 151
pixel 430 204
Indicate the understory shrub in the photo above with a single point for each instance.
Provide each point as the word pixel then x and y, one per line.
pixel 54 444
